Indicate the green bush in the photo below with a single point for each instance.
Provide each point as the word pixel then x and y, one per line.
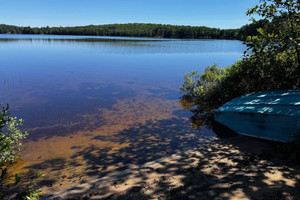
pixel 216 86
pixel 271 62
pixel 10 137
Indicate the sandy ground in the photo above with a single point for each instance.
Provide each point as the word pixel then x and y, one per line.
pixel 234 168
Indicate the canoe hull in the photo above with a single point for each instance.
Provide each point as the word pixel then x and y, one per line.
pixel 270 127
pixel 273 115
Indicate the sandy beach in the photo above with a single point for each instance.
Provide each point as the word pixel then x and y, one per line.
pixel 234 168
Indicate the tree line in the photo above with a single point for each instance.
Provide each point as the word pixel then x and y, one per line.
pixel 136 30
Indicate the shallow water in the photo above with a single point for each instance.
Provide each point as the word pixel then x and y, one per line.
pixel 97 104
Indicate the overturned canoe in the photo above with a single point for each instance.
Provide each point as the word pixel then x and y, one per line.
pixel 272 115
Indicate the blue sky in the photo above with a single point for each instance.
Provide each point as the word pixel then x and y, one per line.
pixel 211 13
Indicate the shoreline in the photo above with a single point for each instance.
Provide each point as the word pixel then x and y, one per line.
pixel 235 168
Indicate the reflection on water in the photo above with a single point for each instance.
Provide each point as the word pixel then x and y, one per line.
pixel 201 121
pixel 123 45
pixel 198 120
pixel 94 104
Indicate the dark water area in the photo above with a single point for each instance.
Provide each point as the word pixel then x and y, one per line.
pixel 90 103
pixel 66 107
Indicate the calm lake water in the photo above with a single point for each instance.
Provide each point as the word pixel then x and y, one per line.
pixel 98 104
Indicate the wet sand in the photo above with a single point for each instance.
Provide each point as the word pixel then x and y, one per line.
pixel 234 168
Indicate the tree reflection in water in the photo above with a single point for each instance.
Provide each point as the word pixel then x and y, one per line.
pixel 198 120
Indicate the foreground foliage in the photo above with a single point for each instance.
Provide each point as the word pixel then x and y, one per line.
pixel 10 136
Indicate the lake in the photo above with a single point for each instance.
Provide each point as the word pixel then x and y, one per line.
pixel 93 105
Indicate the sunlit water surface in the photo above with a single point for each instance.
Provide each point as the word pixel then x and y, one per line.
pixel 97 104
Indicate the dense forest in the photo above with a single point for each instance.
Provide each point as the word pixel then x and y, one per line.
pixel 136 30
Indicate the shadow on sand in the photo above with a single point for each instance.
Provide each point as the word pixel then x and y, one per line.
pixel 144 143
pixel 170 163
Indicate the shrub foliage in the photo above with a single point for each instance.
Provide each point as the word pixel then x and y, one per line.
pixel 10 144
pixel 271 61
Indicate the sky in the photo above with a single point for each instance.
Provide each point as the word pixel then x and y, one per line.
pixel 211 13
